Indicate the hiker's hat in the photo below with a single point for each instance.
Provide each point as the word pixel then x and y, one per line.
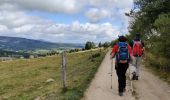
pixel 122 38
pixel 137 36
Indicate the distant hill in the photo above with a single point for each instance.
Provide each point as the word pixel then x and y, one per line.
pixel 15 43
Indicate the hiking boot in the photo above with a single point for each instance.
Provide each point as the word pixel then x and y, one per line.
pixel 136 78
pixel 120 93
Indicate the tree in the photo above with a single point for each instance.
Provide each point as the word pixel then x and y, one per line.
pixel 89 45
pixel 113 42
pixel 100 44
pixel 143 20
pixel 106 44
pixel 162 25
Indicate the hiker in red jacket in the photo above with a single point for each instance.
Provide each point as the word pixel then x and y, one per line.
pixel 137 49
pixel 123 53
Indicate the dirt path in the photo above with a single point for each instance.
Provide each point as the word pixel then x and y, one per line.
pixel 100 86
pixel 150 87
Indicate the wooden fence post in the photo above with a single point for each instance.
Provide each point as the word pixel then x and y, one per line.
pixel 63 70
pixel 92 59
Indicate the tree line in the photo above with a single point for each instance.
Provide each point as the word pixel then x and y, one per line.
pixel 91 45
pixel 151 18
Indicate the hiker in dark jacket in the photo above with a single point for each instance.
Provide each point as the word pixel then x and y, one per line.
pixel 137 49
pixel 123 53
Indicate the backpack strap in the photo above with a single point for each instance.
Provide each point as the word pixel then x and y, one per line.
pixel 134 44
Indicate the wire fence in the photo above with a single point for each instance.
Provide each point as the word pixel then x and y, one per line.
pixel 82 68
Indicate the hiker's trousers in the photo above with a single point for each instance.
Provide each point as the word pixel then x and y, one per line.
pixel 136 64
pixel 121 69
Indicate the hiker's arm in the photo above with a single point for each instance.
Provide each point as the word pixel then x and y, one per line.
pixel 114 50
pixel 143 47
pixel 112 55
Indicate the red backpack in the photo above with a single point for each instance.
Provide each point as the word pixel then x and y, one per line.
pixel 137 48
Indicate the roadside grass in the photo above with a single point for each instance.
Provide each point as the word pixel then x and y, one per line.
pixel 25 79
pixel 156 66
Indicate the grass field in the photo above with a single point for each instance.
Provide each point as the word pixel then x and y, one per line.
pixel 26 79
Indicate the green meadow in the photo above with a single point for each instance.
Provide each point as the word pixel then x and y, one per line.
pixel 26 79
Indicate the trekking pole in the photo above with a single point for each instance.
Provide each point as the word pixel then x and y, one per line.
pixel 111 71
pixel 131 83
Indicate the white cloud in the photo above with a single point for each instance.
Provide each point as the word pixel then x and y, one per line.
pixel 15 20
pixel 66 6
pixel 37 28
pixel 3 28
pixel 17 23
pixel 77 32
pixel 111 3
pixel 95 14
pixel 110 9
pixel 54 6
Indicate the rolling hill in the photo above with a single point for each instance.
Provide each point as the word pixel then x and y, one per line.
pixel 15 44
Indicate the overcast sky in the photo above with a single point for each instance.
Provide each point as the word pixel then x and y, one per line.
pixel 66 21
